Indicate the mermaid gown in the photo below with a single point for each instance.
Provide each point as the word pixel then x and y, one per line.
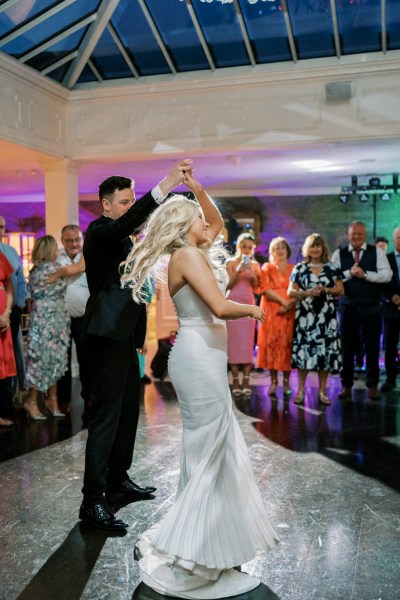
pixel 218 520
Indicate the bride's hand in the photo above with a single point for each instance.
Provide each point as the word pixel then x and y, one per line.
pixel 258 314
pixel 191 182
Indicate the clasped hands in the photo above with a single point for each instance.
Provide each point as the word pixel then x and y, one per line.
pixel 357 271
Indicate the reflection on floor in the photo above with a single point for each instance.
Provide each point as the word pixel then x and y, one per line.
pixel 329 477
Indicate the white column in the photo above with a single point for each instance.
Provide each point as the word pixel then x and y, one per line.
pixel 61 189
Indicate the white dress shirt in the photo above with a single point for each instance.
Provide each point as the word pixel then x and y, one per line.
pixel 383 273
pixel 77 293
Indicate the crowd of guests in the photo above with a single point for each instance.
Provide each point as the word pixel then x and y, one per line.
pixel 318 313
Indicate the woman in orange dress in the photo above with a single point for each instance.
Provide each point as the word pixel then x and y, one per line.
pixel 276 333
pixel 7 359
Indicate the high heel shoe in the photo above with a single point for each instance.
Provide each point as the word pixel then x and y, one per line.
pixel 55 412
pixel 299 399
pixel 33 412
pixel 272 388
pixel 236 391
pixel 286 387
pixel 323 398
pixel 246 388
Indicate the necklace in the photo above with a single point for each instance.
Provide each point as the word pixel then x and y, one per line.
pixel 316 265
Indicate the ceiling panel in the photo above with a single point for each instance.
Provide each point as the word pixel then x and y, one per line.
pixel 154 37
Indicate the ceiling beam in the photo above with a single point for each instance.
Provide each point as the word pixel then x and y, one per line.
pixel 8 4
pixel 336 35
pixel 245 34
pixel 59 63
pixel 89 42
pixel 157 35
pixel 289 30
pixel 58 38
pixel 35 21
pixel 200 34
pixel 94 70
pixel 121 48
pixel 383 30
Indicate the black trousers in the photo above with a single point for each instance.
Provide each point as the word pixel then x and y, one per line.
pixel 367 321
pixel 115 382
pixel 64 385
pixel 392 333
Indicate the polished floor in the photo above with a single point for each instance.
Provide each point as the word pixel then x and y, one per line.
pixel 329 477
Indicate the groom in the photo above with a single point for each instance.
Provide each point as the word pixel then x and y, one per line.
pixel 114 327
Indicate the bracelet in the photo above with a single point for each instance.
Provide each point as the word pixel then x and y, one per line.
pixel 7 310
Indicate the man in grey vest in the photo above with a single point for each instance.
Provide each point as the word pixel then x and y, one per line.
pixel 365 268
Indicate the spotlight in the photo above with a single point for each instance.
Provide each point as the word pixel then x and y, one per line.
pixel 344 198
pixel 374 182
pixel 386 197
pixel 395 181
pixel 363 197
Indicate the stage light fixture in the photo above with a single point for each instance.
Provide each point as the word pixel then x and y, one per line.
pixel 363 197
pixel 395 181
pixel 374 183
pixel 344 198
pixel 386 196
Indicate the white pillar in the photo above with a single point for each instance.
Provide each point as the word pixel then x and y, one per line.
pixel 62 198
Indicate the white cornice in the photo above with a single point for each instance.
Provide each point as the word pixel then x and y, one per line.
pixel 11 67
pixel 313 69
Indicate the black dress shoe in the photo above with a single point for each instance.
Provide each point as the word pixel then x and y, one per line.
pixel 99 515
pixel 130 488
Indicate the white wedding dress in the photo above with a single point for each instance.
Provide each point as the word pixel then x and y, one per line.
pixel 218 520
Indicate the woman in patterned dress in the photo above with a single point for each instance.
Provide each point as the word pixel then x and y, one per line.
pixel 316 344
pixel 48 333
pixel 275 334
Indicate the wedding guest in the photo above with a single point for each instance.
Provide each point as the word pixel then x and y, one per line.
pixel 48 332
pixel 244 277
pixel 276 333
pixel 391 315
pixel 365 268
pixel 7 359
pixel 76 297
pixel 315 283
pixel 218 520
pixel 19 287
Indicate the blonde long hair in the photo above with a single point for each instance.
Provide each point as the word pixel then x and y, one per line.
pixel 165 231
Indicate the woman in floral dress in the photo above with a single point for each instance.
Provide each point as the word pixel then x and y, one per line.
pixel 48 333
pixel 316 344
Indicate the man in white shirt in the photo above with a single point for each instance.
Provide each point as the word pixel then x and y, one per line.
pixel 76 297
pixel 365 268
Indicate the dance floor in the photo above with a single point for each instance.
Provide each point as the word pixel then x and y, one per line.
pixel 329 477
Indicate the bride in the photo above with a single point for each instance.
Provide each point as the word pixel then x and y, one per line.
pixel 218 520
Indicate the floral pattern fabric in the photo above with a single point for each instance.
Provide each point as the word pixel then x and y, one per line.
pixel 316 343
pixel 48 333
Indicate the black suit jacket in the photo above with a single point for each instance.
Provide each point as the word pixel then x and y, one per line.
pixel 110 310
pixel 390 311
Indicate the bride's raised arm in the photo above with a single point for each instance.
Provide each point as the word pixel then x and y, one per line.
pixel 210 211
